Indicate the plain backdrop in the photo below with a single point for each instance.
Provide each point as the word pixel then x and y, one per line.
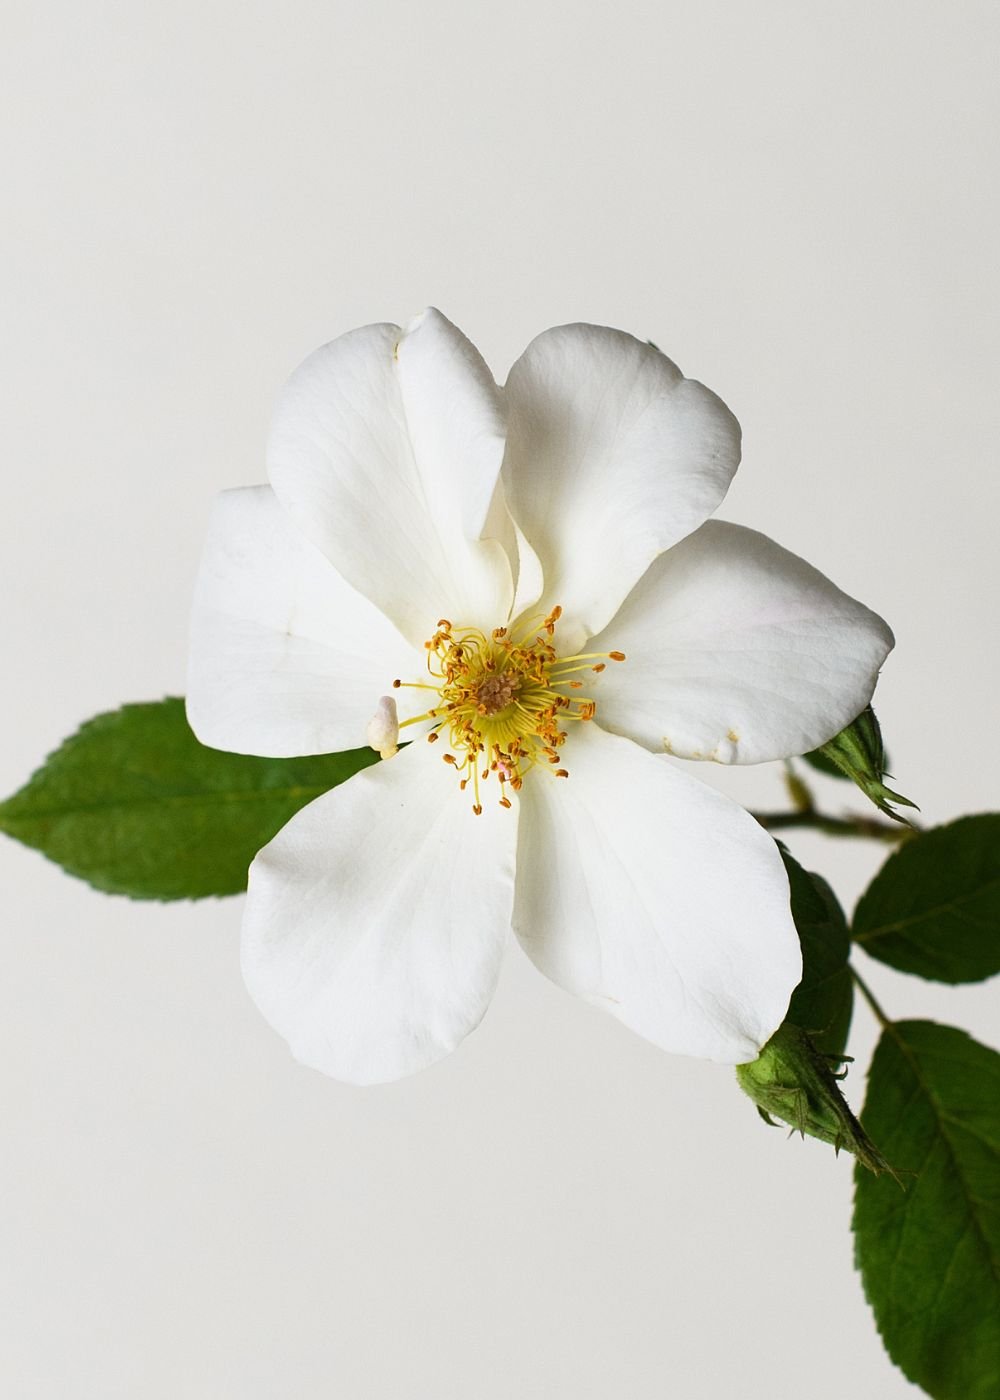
pixel 798 203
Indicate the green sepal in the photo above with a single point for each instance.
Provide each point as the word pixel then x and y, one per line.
pixel 858 753
pixel 793 1081
pixel 817 759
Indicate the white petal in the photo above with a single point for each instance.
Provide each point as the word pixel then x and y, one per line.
pixel 529 575
pixel 386 450
pixel 612 457
pixel 656 898
pixel 376 920
pixel 286 658
pixel 455 416
pixel 738 651
pixel 526 567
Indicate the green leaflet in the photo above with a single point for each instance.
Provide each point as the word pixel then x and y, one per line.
pixel 934 907
pixel 929 1255
pixel 135 805
pixel 823 1001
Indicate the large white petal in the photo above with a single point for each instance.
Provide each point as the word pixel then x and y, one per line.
pixel 386 449
pixel 647 893
pixel 286 658
pixel 612 457
pixel 456 421
pixel 738 651
pixel 377 918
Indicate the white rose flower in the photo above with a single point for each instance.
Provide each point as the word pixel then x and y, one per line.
pixel 528 574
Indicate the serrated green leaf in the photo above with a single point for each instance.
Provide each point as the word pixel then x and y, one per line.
pixel 133 804
pixel 934 907
pixel 929 1255
pixel 823 1001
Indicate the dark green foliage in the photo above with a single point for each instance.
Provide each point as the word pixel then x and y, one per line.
pixel 930 1254
pixel 934 907
pixel 822 1002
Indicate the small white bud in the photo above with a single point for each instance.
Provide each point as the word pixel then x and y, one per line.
pixel 383 728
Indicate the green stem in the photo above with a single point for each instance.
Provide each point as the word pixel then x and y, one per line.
pixel 798 790
pixel 868 827
pixel 869 997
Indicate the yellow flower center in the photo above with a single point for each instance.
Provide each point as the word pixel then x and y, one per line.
pixel 504 700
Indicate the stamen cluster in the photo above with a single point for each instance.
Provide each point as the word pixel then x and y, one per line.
pixel 504 700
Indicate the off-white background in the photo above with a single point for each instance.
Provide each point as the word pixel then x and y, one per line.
pixel 797 202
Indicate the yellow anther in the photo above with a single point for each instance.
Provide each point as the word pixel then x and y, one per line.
pixel 503 702
pixel 616 655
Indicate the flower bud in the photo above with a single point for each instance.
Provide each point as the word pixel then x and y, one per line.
pixel 859 753
pixel 793 1081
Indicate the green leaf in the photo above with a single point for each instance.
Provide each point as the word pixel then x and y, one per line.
pixel 934 907
pixel 930 1255
pixel 135 805
pixel 823 1001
